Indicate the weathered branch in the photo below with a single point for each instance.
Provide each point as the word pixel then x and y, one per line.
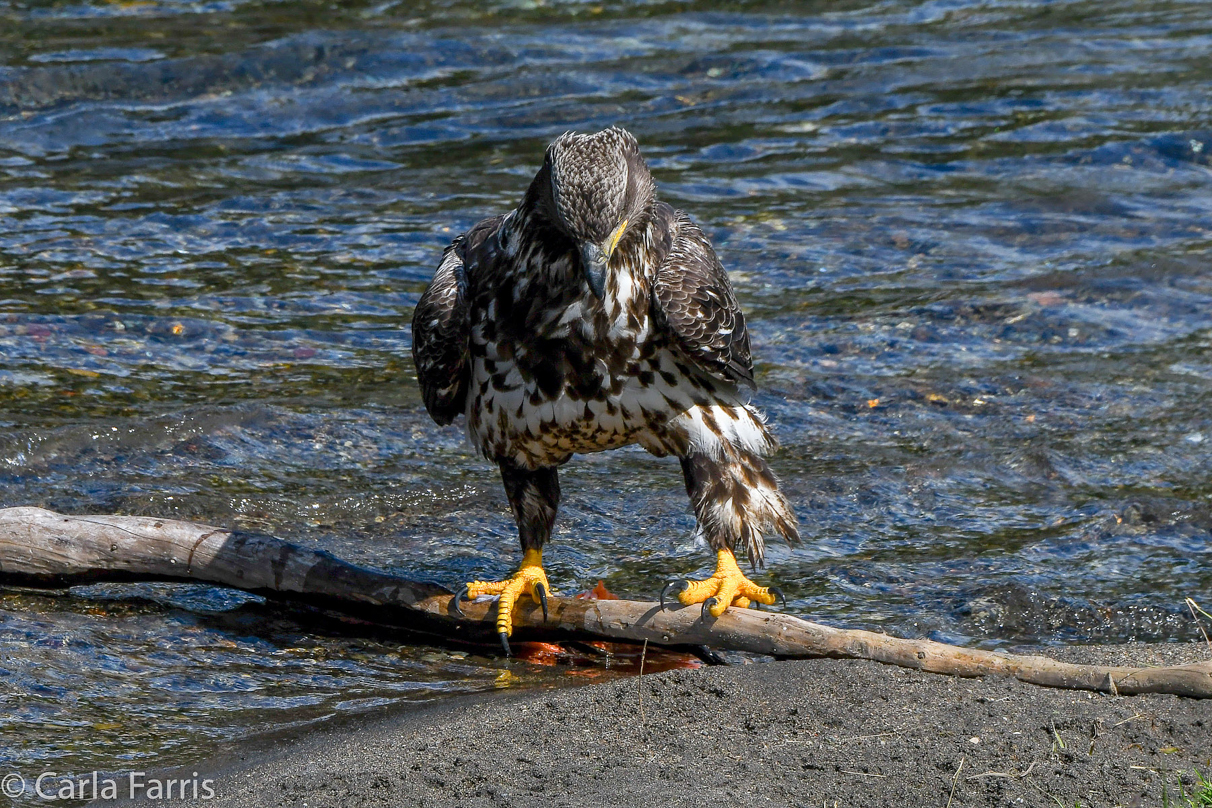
pixel 45 549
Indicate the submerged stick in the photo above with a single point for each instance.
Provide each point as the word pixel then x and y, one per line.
pixel 44 549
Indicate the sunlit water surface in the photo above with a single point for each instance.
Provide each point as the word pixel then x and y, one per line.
pixel 972 239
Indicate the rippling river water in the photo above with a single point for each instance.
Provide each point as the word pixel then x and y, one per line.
pixel 972 239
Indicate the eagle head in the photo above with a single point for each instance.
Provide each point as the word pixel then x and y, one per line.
pixel 600 191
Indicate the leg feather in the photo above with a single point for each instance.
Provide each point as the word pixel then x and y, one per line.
pixel 534 497
pixel 736 500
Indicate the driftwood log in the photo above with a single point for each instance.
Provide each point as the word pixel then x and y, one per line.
pixel 40 548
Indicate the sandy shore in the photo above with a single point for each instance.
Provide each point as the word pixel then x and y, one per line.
pixel 811 733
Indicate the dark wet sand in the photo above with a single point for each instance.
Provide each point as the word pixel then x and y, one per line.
pixel 808 733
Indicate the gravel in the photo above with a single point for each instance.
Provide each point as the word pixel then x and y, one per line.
pixel 795 733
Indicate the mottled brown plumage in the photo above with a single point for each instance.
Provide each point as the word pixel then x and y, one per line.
pixel 591 317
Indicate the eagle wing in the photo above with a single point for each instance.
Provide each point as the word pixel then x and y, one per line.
pixel 440 328
pixel 693 301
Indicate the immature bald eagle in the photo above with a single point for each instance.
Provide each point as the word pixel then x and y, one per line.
pixel 591 317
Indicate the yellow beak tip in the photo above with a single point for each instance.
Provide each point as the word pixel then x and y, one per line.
pixel 613 241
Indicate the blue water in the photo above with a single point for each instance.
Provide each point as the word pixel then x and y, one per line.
pixel 972 238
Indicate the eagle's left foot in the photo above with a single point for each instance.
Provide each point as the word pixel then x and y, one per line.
pixel 727 587
pixel 530 579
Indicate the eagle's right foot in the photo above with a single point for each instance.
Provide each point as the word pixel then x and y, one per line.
pixel 530 579
pixel 727 587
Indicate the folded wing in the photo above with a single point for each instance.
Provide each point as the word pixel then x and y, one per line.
pixel 693 300
pixel 439 338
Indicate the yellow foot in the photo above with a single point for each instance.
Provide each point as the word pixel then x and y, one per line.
pixel 530 579
pixel 727 587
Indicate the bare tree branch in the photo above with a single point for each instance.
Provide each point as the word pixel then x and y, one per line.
pixel 41 548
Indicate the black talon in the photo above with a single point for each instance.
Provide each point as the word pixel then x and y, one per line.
pixel 454 604
pixel 778 594
pixel 505 643
pixel 707 604
pixel 682 586
pixel 541 591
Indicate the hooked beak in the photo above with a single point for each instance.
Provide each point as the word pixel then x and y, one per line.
pixel 594 259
